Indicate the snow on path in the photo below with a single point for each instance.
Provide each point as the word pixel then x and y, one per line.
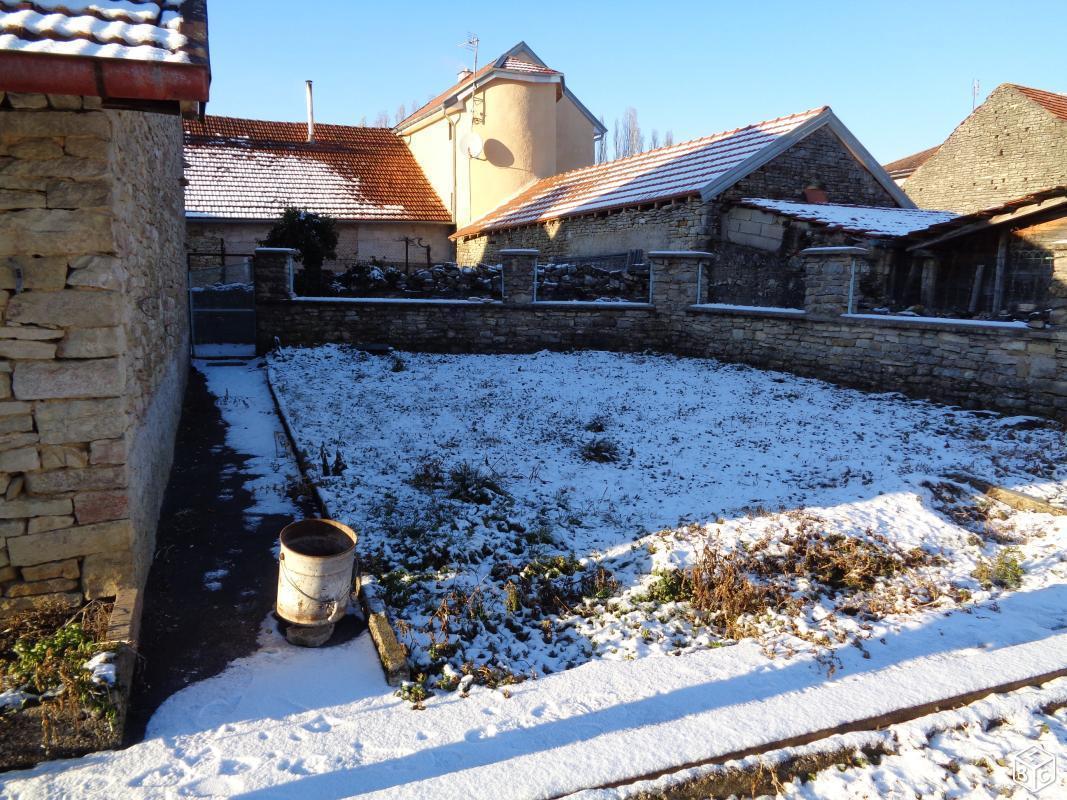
pixel 253 428
pixel 322 724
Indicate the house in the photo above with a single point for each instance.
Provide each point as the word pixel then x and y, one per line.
pixel 94 336
pixel 497 130
pixel 1012 145
pixel 397 194
pixel 679 197
pixel 242 173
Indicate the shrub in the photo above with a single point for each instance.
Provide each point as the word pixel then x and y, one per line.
pixel 600 450
pixel 415 692
pixel 1005 571
pixel 670 586
pixel 470 484
pixel 428 474
pixel 314 236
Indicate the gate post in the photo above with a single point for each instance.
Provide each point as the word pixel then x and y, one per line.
pixel 272 274
pixel 519 275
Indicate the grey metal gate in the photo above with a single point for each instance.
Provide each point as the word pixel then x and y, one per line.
pixel 222 316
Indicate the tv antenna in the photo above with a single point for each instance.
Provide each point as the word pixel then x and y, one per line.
pixel 471 44
pixel 975 86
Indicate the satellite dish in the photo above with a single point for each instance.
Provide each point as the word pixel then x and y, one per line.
pixel 472 145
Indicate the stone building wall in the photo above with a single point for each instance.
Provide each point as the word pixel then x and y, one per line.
pixel 357 241
pixel 1010 146
pixel 92 342
pixel 1012 368
pixel 690 223
pixel 678 225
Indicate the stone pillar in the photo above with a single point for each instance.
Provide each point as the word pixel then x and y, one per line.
pixel 272 272
pixel 827 278
pixel 676 277
pixel 519 266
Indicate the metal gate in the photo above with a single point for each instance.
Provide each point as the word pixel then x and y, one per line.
pixel 222 315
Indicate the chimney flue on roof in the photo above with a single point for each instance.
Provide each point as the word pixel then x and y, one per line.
pixel 463 75
pixel 311 113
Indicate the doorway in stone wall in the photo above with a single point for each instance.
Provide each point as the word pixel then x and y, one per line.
pixel 222 311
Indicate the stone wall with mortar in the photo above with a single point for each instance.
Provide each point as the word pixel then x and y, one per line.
pixel 1012 368
pixel 1008 147
pixel 92 342
pixel 357 241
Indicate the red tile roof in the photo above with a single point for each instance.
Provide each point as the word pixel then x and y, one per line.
pixel 1051 101
pixel 679 170
pixel 172 31
pixel 903 167
pixel 250 169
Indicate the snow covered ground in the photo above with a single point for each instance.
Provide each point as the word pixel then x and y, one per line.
pixel 530 513
pixel 706 453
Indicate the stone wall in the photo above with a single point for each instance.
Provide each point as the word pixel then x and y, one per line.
pixel 1010 146
pixel 92 342
pixel 357 241
pixel 1012 368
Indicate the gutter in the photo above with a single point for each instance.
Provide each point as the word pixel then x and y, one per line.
pixel 120 81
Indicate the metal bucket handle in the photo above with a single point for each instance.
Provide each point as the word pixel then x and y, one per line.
pixel 332 604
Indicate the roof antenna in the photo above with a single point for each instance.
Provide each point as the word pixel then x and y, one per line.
pixel 471 44
pixel 311 113
pixel 975 86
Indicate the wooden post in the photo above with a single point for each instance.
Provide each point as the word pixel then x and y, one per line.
pixel 976 288
pixel 929 282
pixel 1000 275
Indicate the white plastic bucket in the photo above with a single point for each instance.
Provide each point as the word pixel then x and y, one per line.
pixel 315 571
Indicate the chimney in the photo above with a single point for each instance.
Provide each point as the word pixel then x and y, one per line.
pixel 463 75
pixel 816 193
pixel 311 113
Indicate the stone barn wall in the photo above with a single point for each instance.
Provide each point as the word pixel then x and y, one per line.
pixel 93 342
pixel 689 223
pixel 1008 147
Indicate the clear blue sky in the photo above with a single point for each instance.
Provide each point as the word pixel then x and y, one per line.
pixel 897 72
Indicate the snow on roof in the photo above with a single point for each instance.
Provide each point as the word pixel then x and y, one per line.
pixel 140 30
pixel 872 220
pixel 679 170
pixel 250 169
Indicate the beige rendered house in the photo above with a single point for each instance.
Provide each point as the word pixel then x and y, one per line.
pixel 498 130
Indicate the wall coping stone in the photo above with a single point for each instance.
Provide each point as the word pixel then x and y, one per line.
pixel 747 311
pixel 437 301
pixel 277 250
pixel 519 251
pixel 621 304
pixel 844 250
pixel 679 254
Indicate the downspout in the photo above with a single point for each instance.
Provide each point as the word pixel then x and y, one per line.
pixel 452 133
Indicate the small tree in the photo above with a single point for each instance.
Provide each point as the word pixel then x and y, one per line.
pixel 314 236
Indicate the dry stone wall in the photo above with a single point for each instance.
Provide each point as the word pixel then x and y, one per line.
pixel 92 342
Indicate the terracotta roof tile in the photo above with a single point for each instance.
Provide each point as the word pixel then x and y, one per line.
pixel 173 31
pixel 679 170
pixel 251 169
pixel 1053 102
pixel 903 167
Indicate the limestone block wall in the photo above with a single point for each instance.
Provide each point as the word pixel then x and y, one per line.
pixel 690 223
pixel 92 342
pixel 357 241
pixel 1008 147
pixel 1011 368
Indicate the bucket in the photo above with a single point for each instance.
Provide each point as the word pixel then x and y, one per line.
pixel 315 571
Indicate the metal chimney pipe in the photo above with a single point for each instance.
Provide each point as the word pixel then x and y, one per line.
pixel 311 113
